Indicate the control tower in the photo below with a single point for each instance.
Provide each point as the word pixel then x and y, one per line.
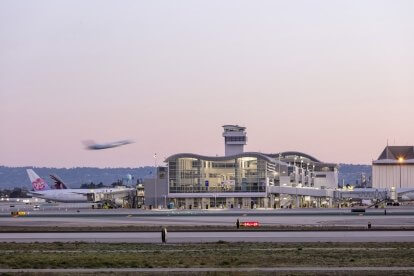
pixel 234 139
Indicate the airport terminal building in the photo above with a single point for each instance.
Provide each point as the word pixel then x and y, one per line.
pixel 247 179
pixel 394 168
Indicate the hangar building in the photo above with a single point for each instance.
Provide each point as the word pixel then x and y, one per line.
pixel 394 168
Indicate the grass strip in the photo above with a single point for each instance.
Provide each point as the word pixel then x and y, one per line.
pixel 221 254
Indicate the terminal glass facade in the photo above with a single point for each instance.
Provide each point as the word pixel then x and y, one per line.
pixel 244 174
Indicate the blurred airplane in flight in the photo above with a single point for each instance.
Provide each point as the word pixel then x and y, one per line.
pixel 91 145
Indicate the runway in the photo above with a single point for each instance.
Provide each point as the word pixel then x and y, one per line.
pixel 72 215
pixel 125 220
pixel 201 237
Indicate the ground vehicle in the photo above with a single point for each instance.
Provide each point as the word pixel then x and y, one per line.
pixel 36 207
pixel 18 213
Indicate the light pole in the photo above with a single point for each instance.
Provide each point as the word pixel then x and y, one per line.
pixel 313 175
pixel 400 176
pixel 215 200
pixel 280 155
pixel 297 199
pixel 400 161
pixel 156 176
pixel 301 170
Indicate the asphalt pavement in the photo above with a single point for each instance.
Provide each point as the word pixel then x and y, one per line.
pixel 80 215
pixel 197 237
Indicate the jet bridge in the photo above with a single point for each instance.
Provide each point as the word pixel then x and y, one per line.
pixel 120 196
pixel 304 196
pixel 298 193
pixel 302 191
pixel 364 194
pixel 379 194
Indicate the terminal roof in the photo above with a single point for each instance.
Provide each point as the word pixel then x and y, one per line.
pixel 234 128
pixel 273 157
pixel 293 153
pixel 222 158
pixel 396 152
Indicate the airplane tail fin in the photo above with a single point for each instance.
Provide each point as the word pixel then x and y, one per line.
pixel 59 184
pixel 38 183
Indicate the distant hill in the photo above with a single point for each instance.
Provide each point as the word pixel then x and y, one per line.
pixel 11 177
pixel 17 177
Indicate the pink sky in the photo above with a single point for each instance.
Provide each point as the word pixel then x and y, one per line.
pixel 334 79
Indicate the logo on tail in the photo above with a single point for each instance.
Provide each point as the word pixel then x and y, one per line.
pixel 38 183
pixel 59 184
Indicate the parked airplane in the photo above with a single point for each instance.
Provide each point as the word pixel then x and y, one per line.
pixel 407 195
pixel 91 145
pixel 366 202
pixel 42 190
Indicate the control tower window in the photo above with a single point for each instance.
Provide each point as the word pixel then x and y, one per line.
pixel 235 139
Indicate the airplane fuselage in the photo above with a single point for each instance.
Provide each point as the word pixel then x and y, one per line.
pixel 74 195
pixel 67 195
pixel 407 197
pixel 108 145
